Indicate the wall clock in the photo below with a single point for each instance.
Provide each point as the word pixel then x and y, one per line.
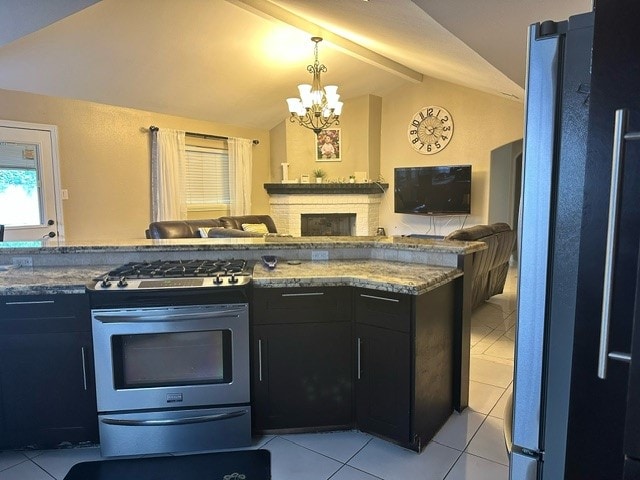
pixel 430 130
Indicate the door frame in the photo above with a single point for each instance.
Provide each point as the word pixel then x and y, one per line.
pixel 55 159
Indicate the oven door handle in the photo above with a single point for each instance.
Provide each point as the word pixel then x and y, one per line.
pixel 173 421
pixel 128 317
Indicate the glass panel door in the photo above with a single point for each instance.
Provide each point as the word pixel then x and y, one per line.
pixel 28 182
pixel 19 184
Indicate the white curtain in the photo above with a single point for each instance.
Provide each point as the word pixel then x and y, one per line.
pixel 240 166
pixel 168 175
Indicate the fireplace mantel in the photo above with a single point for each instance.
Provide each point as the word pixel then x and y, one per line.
pixel 326 188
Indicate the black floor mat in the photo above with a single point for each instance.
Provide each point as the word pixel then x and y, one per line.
pixel 246 464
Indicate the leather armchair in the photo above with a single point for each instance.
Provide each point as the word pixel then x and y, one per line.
pixel 490 266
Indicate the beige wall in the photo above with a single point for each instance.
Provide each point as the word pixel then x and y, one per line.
pixel 360 140
pixel 104 160
pixel 374 136
pixel 482 122
pixel 105 151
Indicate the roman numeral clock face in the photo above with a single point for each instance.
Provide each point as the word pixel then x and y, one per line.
pixel 430 130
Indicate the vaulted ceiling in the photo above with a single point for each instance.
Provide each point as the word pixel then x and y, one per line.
pixel 235 61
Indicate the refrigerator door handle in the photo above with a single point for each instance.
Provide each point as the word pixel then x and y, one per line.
pixel 619 136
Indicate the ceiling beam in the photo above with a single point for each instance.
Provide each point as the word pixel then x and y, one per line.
pixel 270 10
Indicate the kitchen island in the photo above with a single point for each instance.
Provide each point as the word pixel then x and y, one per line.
pixel 384 290
pixel 384 263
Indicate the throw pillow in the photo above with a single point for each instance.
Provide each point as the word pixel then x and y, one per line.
pixel 255 228
pixel 204 231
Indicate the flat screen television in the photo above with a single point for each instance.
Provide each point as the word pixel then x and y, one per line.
pixel 438 190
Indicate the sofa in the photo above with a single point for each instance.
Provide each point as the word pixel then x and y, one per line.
pixel 223 227
pixel 490 266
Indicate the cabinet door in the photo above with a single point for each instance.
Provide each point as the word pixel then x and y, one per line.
pixel 47 396
pixel 383 377
pixel 301 375
pixel 46 371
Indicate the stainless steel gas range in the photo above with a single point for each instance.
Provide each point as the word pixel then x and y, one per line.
pixel 171 352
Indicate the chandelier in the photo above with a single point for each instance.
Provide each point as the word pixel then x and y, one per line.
pixel 317 108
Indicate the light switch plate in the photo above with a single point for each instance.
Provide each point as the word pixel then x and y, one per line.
pixel 22 261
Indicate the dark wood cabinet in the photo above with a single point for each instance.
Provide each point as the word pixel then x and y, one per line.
pixel 301 359
pixel 47 392
pixel 390 372
pixel 383 382
pixel 404 363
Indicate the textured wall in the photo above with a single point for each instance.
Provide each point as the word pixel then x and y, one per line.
pixel 105 156
pixel 482 122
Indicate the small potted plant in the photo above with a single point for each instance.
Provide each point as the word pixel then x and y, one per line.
pixel 352 179
pixel 319 174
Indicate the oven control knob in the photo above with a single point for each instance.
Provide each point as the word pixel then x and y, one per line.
pixel 105 283
pixel 122 282
pixel 233 279
pixel 218 280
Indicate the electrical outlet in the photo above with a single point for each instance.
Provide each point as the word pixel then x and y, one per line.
pixel 22 261
pixel 319 255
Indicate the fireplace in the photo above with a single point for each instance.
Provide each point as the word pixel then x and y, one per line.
pixel 360 202
pixel 327 224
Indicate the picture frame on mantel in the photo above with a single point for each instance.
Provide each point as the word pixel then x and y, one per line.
pixel 328 148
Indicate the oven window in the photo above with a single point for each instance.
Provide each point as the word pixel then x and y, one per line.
pixel 171 359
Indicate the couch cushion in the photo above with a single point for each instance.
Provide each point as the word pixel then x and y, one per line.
pixel 180 228
pixel 500 227
pixel 476 232
pixel 236 222
pixel 221 232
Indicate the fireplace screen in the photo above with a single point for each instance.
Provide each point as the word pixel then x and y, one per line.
pixel 327 224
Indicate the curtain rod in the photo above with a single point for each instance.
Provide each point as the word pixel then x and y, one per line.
pixel 153 128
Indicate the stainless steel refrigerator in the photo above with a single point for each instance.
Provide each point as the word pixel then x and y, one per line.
pixel 578 246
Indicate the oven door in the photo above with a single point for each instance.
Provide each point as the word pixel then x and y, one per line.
pixel 171 357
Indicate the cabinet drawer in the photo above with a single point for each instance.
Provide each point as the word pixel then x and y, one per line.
pixel 301 305
pixel 383 309
pixel 22 314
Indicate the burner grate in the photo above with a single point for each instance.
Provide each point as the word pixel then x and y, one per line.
pixel 179 268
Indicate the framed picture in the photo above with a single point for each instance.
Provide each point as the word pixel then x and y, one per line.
pixel 328 145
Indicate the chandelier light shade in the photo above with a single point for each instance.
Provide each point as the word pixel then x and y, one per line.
pixel 317 108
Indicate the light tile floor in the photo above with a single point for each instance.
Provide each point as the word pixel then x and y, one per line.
pixel 470 446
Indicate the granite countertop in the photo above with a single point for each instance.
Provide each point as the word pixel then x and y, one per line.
pixel 400 277
pixel 48 280
pixel 242 244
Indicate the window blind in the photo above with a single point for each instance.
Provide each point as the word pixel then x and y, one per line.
pixel 19 156
pixel 207 177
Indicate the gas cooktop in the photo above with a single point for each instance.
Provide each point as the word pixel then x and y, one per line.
pixel 162 274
